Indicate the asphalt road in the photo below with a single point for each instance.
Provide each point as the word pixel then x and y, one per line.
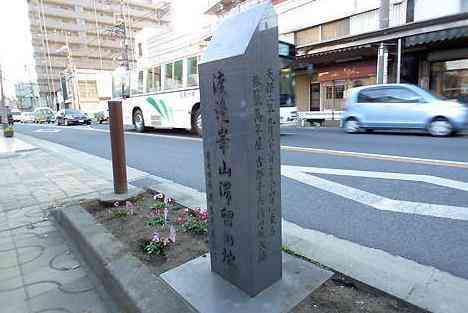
pixel 346 196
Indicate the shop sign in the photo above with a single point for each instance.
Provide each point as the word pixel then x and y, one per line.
pixel 347 71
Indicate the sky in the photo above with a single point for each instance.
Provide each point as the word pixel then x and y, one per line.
pixel 15 42
pixel 15 38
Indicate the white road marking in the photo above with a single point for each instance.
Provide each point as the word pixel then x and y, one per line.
pixel 47 130
pixel 380 202
pixel 385 157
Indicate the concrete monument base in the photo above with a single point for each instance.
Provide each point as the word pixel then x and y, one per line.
pixel 209 293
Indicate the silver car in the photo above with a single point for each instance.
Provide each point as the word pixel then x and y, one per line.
pixel 402 106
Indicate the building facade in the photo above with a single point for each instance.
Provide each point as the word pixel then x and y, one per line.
pixel 27 94
pixel 342 44
pixel 71 35
pixel 353 43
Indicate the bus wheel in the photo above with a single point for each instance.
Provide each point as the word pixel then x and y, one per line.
pixel 138 121
pixel 197 124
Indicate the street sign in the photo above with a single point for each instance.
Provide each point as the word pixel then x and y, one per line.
pixel 239 77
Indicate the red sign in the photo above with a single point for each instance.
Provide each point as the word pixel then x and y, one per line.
pixel 351 70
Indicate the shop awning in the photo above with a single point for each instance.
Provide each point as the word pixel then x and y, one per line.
pixel 433 37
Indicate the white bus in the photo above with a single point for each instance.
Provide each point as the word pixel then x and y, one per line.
pixel 165 96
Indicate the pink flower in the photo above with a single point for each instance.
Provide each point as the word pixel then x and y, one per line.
pixel 168 200
pixel 156 237
pixel 131 207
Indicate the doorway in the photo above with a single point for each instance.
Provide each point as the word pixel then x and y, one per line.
pixel 314 97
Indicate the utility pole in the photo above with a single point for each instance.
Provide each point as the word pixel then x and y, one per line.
pixel 4 115
pixel 125 61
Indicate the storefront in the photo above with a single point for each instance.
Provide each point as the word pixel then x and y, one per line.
pixel 324 88
pixel 335 80
pixel 449 79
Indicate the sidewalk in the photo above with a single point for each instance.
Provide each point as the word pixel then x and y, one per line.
pixel 38 270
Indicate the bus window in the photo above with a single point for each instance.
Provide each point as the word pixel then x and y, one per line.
pixel 136 83
pixel 153 79
pixel 192 72
pixel 174 74
pixel 169 77
pixel 178 73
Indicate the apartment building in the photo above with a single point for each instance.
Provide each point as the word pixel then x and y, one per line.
pixel 74 35
pixel 27 94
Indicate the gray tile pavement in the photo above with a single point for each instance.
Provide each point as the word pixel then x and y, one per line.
pixel 39 271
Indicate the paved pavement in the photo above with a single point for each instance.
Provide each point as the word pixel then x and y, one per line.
pixel 38 270
pixel 402 196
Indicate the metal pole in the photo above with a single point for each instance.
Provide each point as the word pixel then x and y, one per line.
pixel 119 163
pixel 4 116
pixel 398 77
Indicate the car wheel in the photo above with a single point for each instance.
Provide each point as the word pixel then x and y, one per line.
pixel 440 127
pixel 65 122
pixel 352 126
pixel 197 123
pixel 139 121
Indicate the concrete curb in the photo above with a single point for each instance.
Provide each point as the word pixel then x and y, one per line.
pixel 126 279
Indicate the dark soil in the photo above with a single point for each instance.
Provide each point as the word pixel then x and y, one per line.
pixel 133 229
pixel 343 295
pixel 338 295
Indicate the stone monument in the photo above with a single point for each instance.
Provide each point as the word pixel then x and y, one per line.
pixel 239 86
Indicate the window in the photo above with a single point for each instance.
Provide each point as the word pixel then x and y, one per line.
pixel 88 89
pixel 192 72
pixel 339 91
pixel 174 75
pixel 329 92
pixel 178 73
pixel 153 79
pixel 307 36
pixel 169 78
pixel 334 91
pixel 335 29
pixel 140 49
pixel 388 95
pixel 136 83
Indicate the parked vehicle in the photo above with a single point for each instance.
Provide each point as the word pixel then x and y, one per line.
pixel 26 117
pixel 402 106
pixel 16 116
pixel 44 115
pixel 72 117
pixel 102 116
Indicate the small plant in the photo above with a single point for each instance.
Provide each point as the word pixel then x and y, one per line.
pixel 120 213
pixel 194 221
pixel 157 245
pixel 156 221
pixel 8 131
pixel 158 217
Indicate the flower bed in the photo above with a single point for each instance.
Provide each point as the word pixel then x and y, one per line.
pixel 164 235
pixel 158 230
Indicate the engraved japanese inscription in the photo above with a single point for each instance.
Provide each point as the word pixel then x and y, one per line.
pixel 240 111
